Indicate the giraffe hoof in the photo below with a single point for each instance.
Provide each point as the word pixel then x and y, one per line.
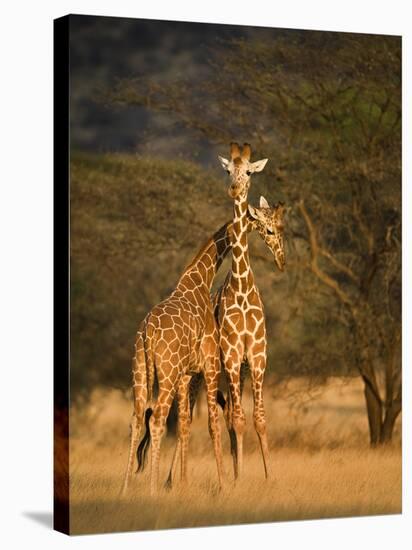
pixel 168 484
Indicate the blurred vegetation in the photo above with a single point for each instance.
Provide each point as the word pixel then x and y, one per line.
pixel 130 239
pixel 135 224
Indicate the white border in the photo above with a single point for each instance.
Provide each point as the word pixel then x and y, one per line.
pixel 26 267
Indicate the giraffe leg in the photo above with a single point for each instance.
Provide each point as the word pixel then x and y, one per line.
pixel 212 381
pixel 195 383
pixel 236 415
pixel 140 396
pixel 238 426
pixel 227 415
pixel 257 370
pixel 232 433
pixel 233 450
pixel 183 424
pixel 134 436
pixel 172 471
pixel 157 426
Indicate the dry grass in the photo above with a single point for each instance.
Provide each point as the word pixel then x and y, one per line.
pixel 320 458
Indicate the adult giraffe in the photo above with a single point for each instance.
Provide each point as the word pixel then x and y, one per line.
pixel 239 312
pixel 178 338
pixel 268 221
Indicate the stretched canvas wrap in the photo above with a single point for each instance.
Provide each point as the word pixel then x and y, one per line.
pixel 227 274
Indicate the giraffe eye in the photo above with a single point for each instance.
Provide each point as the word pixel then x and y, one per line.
pixel 248 172
pixel 270 231
pixel 228 171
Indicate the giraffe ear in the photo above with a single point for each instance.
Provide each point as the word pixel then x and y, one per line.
pixel 224 162
pixel 258 165
pixel 263 202
pixel 252 211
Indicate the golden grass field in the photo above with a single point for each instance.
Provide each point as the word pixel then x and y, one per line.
pixel 322 465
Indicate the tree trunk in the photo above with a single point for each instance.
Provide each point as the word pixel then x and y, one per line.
pixel 393 376
pixel 391 415
pixel 374 410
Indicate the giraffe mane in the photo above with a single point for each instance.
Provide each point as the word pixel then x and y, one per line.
pixel 208 244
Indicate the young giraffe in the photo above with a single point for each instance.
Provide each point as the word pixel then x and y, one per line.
pixel 177 339
pixel 268 221
pixel 240 316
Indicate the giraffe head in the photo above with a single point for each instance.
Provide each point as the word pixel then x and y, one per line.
pixel 240 169
pixel 269 223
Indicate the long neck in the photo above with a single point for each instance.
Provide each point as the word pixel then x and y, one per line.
pixel 240 251
pixel 205 264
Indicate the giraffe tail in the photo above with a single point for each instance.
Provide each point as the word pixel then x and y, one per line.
pixel 145 442
pixel 221 400
pixel 147 338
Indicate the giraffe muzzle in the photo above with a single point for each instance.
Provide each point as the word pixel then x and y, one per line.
pixel 234 191
pixel 280 262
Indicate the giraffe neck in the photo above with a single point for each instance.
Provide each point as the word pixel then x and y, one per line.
pixel 209 258
pixel 241 272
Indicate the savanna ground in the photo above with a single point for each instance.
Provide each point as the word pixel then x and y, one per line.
pixel 322 464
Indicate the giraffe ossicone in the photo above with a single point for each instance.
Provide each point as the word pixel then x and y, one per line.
pixel 271 228
pixel 240 169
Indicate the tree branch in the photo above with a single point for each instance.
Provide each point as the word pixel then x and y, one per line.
pixel 315 251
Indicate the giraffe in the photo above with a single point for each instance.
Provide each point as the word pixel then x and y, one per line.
pixel 239 310
pixel 268 221
pixel 177 339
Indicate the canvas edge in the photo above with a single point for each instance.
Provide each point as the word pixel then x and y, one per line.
pixel 61 348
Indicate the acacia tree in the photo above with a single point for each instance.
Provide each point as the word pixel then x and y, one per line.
pixel 326 107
